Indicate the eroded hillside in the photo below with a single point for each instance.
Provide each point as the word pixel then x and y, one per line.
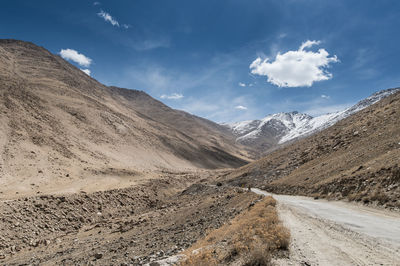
pixel 356 159
pixel 61 130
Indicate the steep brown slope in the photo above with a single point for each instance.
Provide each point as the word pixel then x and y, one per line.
pixel 59 128
pixel 196 127
pixel 358 159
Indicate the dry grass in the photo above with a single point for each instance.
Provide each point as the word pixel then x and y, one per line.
pixel 251 238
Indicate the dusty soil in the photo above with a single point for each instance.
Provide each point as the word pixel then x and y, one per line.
pixel 131 225
pixel 338 233
pixel 321 242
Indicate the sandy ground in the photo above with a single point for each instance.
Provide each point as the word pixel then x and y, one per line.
pixel 338 233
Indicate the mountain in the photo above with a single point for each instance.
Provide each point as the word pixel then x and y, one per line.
pixel 267 133
pixel 61 128
pixel 196 127
pixel 280 128
pixel 356 159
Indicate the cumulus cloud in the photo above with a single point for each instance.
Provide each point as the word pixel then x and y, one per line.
pixel 108 18
pixel 173 96
pixel 325 96
pixel 96 3
pixel 73 55
pixel 296 68
pixel 87 71
pixel 241 107
pixel 241 84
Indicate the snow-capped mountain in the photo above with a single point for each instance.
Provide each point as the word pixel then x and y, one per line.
pixel 282 127
pixel 278 125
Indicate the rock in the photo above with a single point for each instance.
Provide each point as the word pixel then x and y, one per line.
pixel 98 256
pixel 34 243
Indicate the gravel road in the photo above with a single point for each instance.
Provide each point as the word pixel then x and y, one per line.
pixel 338 233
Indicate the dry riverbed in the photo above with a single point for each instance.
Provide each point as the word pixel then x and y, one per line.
pixel 133 225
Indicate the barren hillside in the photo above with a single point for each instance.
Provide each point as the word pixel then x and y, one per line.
pixel 356 159
pixel 62 130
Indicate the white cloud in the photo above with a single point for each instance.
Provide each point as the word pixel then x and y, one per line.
pixel 325 96
pixel 87 71
pixel 173 96
pixel 96 3
pixel 217 101
pixel 217 106
pixel 70 54
pixel 107 17
pixel 149 44
pixel 296 68
pixel 242 84
pixel 282 35
pixel 241 107
pixel 126 26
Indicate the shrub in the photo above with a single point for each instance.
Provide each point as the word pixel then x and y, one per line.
pixel 250 238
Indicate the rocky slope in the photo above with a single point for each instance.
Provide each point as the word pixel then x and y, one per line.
pixel 357 159
pixel 280 128
pixel 62 130
pixel 130 226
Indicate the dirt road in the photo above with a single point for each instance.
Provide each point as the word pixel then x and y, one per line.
pixel 338 233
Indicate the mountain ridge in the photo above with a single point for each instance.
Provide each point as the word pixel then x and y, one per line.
pixel 355 159
pixel 280 128
pixel 61 129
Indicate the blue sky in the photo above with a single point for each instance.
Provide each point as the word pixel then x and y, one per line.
pixel 201 56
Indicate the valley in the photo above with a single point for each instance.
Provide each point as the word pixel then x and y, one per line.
pixel 100 175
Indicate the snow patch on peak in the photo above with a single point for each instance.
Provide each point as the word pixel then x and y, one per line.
pixel 243 127
pixel 323 121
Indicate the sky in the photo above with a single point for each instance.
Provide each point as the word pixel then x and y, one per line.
pixel 229 60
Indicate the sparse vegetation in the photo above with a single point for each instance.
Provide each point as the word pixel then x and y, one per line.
pixel 251 238
pixel 356 159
